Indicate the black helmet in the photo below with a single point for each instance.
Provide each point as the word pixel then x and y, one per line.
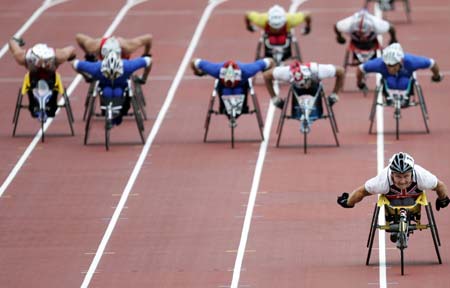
pixel 401 163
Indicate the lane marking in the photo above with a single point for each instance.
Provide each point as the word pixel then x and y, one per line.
pixel 171 93
pixel 380 166
pixel 255 183
pixel 44 6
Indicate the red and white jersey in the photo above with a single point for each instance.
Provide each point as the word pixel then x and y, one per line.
pixel 381 183
pixel 318 71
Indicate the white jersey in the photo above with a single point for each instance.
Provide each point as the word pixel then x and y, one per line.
pixel 379 26
pixel 381 183
pixel 320 71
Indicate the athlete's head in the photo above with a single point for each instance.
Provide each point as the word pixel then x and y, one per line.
pixel 111 45
pixel 401 165
pixel 230 74
pixel 362 25
pixel 301 75
pixel 112 66
pixel 42 56
pixel 393 56
pixel 277 17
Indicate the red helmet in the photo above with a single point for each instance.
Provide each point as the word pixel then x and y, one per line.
pixel 300 74
pixel 230 74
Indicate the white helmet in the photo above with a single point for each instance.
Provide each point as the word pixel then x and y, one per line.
pixel 300 75
pixel 362 25
pixel 393 54
pixel 41 56
pixel 277 17
pixel 112 66
pixel 111 45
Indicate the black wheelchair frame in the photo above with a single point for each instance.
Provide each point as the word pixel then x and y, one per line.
pixel 415 90
pixel 109 111
pixel 26 86
pixel 403 220
pixel 291 100
pixel 351 57
pixel 233 116
pixel 278 52
pixel 406 4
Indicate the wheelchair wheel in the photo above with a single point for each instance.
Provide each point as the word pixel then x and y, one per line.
pixel 434 232
pixel 423 107
pixel 373 228
pixel 138 118
pixel 407 11
pixel 402 261
pixel 374 107
pixel 140 99
pixel 88 97
pixel 397 122
pixel 89 115
pixel 232 133
pixel 17 111
pixel 69 112
pixel 42 125
pixel 305 142
pixel 107 135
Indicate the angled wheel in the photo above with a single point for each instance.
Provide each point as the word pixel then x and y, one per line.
pixel 17 111
pixel 373 228
pixel 138 118
pixel 434 232
pixel 89 115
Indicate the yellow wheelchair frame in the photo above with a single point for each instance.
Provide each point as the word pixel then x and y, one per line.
pixel 408 218
pixel 59 87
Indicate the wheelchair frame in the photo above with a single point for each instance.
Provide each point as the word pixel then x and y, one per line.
pixel 232 118
pixel 350 61
pixel 291 42
pixel 397 104
pixel 408 221
pixel 329 114
pixel 406 5
pixel 108 113
pixel 140 98
pixel 26 86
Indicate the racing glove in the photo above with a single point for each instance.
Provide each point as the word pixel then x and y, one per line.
pixel 306 30
pixel 19 41
pixel 362 86
pixel 333 99
pixel 340 39
pixel 442 203
pixel 342 200
pixel 437 78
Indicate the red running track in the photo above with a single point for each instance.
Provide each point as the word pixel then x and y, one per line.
pixel 183 219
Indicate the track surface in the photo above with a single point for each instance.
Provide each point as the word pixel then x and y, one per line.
pixel 182 222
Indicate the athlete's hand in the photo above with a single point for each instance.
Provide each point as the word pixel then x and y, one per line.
pixel 306 30
pixel 342 200
pixel 340 39
pixel 437 78
pixel 442 203
pixel 19 41
pixel 362 86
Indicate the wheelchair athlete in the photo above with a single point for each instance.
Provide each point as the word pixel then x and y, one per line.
pixel 402 181
pixel 363 29
pixel 42 62
pixel 233 75
pixel 305 78
pixel 397 68
pixel 277 25
pixel 113 74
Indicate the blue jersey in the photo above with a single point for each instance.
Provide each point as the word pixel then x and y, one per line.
pixel 248 70
pixel 400 80
pixel 93 69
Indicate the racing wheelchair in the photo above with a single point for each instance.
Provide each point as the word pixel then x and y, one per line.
pixel 233 106
pixel 278 53
pixel 401 221
pixel 400 99
pixel 307 108
pixel 110 109
pixel 137 86
pixel 359 53
pixel 43 93
pixel 389 5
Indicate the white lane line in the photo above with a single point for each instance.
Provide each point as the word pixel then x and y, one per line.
pixel 47 4
pixel 255 183
pixel 162 113
pixel 380 166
